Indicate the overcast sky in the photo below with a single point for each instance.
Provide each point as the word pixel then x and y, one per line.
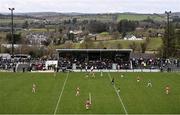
pixel 91 6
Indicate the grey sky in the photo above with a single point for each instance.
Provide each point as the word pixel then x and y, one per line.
pixel 91 6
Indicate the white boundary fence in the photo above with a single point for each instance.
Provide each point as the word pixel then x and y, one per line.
pixel 128 70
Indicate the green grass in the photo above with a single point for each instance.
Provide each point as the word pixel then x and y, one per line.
pixel 154 44
pixel 16 20
pixel 8 21
pixel 16 96
pixel 104 33
pixel 41 30
pixel 139 17
pixel 125 43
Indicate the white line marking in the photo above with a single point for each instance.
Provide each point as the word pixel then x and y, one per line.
pixel 61 94
pixel 120 99
pixel 90 97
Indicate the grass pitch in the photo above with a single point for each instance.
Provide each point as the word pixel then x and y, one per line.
pixel 56 95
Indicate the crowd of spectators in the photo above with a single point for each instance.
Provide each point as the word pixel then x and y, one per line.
pixel 133 63
pixel 155 63
pixel 104 63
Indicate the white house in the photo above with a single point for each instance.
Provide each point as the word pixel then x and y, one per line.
pixel 36 38
pixel 131 37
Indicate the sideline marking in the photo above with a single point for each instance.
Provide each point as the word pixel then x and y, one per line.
pixel 119 97
pixel 90 97
pixel 61 94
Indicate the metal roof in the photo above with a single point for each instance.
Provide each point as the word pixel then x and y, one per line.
pixel 89 50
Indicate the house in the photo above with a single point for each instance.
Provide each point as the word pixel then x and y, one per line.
pixel 76 32
pixel 131 37
pixel 36 38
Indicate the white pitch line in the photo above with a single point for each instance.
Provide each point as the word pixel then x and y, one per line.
pixel 90 97
pixel 60 95
pixel 119 97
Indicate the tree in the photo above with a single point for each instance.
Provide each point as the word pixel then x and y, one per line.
pixel 169 42
pixel 126 26
pixel 37 52
pixel 133 46
pixel 1 42
pixel 48 29
pixel 143 47
pixel 24 49
pixel 60 30
pixel 68 45
pixel 97 27
pixel 47 42
pixel 149 20
pixel 115 35
pixel 177 46
pixel 17 38
pixel 50 50
pixel 71 36
pixel 74 20
pixel 25 25
pixel 88 43
pixel 123 35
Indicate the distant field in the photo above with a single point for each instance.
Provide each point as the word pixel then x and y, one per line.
pixel 7 21
pixel 16 20
pixel 154 44
pixel 56 95
pixel 139 17
pixel 40 30
pixel 102 17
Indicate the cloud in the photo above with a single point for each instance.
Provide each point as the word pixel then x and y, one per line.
pixel 91 6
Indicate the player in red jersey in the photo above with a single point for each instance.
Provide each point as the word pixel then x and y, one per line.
pixel 167 89
pixel 88 104
pixel 77 91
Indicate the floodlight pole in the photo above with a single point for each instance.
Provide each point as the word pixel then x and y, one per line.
pixel 168 27
pixel 12 30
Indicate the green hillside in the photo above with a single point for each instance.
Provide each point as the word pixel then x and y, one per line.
pixel 139 17
pixel 154 44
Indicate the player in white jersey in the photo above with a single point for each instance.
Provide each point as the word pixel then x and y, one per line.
pixel 77 91
pixel 92 71
pixel 149 83
pixel 86 68
pixel 118 90
pixel 34 88
pixel 92 68
pixel 101 73
pixel 122 75
pixel 87 75
pixel 167 89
